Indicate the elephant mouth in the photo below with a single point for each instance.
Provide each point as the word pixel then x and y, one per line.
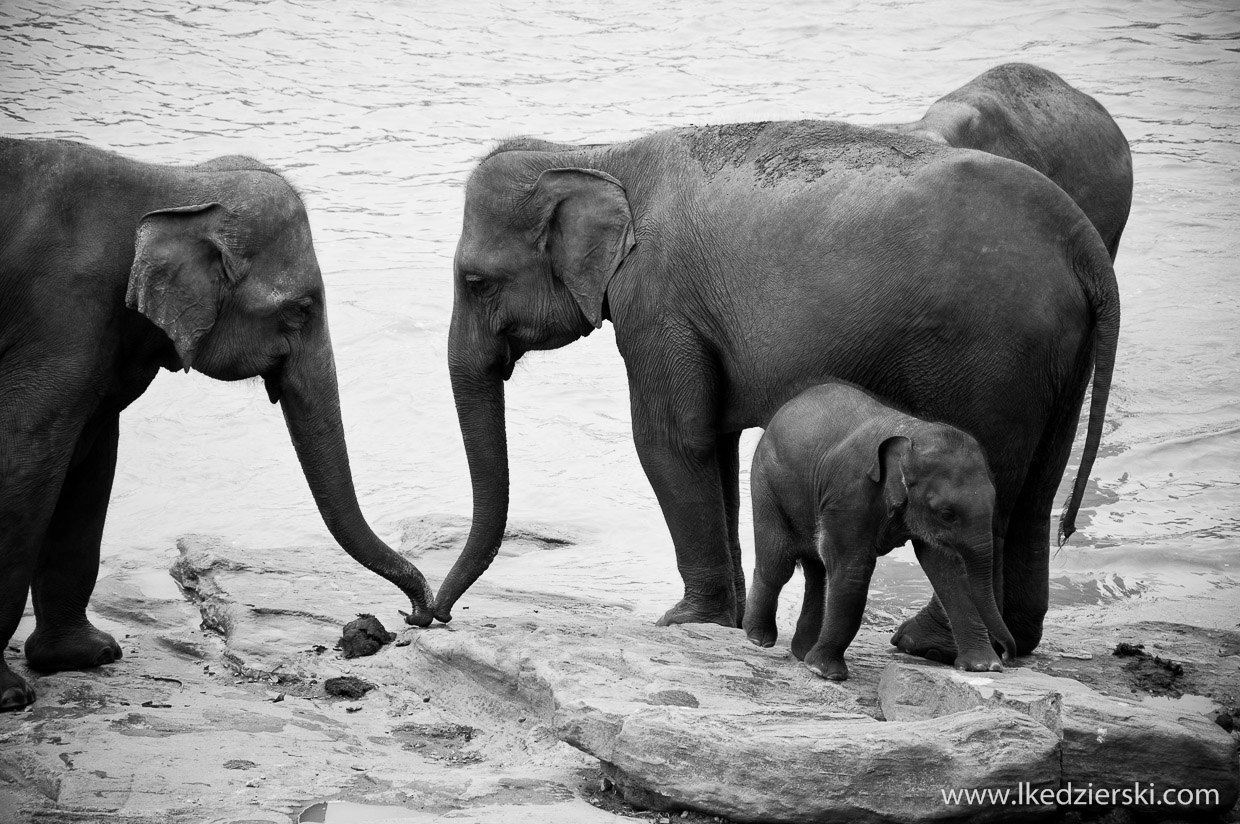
pixel 511 354
pixel 274 387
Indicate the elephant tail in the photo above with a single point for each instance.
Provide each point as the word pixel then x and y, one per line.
pixel 1092 264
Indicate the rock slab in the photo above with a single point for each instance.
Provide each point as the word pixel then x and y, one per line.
pixel 1154 757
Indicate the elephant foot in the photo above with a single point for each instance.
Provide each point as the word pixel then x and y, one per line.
pixel 702 611
pixel 15 693
pixel 83 647
pixel 926 637
pixel 802 644
pixel 830 667
pixel 762 635
pixel 984 660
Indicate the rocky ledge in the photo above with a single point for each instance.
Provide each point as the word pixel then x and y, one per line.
pixel 219 713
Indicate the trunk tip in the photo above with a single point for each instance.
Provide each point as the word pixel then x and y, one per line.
pixel 420 617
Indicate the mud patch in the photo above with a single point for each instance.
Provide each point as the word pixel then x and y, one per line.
pixel 1150 673
pixel 715 147
pixel 673 698
pixel 438 742
pixel 347 686
pixel 148 726
pixel 1203 664
pixel 804 150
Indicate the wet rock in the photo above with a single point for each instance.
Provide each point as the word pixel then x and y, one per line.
pixel 1106 742
pixel 363 636
pixel 1150 672
pixel 440 531
pixel 801 766
pixel 695 717
pixel 347 686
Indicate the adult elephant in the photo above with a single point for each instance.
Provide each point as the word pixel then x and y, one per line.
pixel 1029 114
pixel 741 264
pixel 109 270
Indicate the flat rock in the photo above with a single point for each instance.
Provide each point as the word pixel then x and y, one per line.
pixel 1108 742
pixel 802 766
pixel 528 699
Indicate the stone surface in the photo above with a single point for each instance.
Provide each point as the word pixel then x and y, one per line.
pixel 520 707
pixel 801 766
pixel 1108 742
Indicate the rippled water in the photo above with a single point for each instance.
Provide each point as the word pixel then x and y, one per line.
pixel 377 111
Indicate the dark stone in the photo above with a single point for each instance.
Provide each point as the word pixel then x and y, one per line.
pixel 364 636
pixel 346 686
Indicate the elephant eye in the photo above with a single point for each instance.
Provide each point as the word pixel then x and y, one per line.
pixel 947 516
pixel 296 313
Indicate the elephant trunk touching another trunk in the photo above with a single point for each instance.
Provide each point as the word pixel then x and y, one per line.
pixel 478 389
pixel 310 400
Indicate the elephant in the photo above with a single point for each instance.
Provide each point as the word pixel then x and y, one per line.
pixel 109 270
pixel 839 478
pixel 740 264
pixel 1027 113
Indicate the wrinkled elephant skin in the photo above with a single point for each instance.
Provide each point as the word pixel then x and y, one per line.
pixel 109 270
pixel 741 264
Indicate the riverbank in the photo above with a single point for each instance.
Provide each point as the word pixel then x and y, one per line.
pixel 219 713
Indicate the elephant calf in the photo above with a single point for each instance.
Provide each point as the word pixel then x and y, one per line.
pixel 109 270
pixel 839 479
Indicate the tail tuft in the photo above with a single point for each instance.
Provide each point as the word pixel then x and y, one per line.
pixel 1067 520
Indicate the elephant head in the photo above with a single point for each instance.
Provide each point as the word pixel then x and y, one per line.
pixel 937 489
pixel 233 281
pixel 537 252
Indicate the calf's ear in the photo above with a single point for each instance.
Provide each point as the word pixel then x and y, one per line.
pixel 888 470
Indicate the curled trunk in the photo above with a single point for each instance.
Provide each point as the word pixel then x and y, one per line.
pixel 478 364
pixel 310 400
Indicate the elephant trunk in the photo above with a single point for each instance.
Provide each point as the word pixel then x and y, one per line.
pixel 478 363
pixel 310 399
pixel 978 563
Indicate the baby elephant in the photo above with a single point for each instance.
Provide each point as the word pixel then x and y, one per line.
pixel 839 479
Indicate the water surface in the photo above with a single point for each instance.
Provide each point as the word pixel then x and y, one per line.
pixel 378 110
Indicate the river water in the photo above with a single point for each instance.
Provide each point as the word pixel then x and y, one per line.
pixel 377 111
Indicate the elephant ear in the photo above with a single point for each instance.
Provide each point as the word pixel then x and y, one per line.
pixel 182 258
pixel 888 469
pixel 587 230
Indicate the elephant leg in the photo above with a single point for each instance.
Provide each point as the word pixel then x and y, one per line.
pixel 1025 586
pixel 848 586
pixel 946 572
pixel 775 554
pixel 673 429
pixel 16 570
pixel 68 563
pixel 729 457
pixel 809 625
pixel 27 498
pixel 927 634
